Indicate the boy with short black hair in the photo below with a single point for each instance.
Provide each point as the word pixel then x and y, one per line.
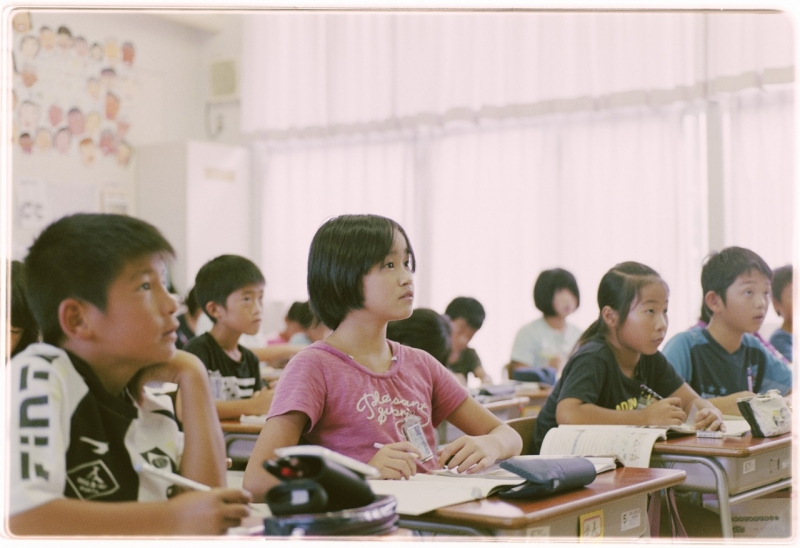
pixel 230 290
pixel 82 419
pixel 466 318
pixel 724 361
pixel 781 339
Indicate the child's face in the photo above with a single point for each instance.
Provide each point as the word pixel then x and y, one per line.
pixel 564 302
pixel 460 337
pixel 783 303
pixel 746 302
pixel 646 325
pixel 242 310
pixel 138 326
pixel 388 286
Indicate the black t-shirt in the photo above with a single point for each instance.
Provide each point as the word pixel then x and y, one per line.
pixel 230 380
pixel 592 375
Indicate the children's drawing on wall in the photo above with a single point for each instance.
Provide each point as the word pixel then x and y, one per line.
pixel 73 93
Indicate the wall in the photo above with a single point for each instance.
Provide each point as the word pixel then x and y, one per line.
pixel 162 108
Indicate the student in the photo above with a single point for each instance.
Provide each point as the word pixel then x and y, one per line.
pixel 188 320
pixel 22 329
pixel 781 339
pixel 356 388
pixel 313 329
pixel 616 370
pixel 230 289
pixel 80 416
pixel 541 347
pixel 466 318
pixel 425 329
pixel 724 362
pixel 298 316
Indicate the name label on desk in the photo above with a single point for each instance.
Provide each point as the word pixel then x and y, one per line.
pixel 538 531
pixel 592 524
pixel 631 519
pixel 749 466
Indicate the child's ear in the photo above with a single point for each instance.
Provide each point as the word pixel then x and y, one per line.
pixel 73 319
pixel 212 309
pixel 713 301
pixel 610 316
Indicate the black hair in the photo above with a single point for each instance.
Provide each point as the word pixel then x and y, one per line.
pixel 223 275
pixel 781 277
pixel 343 251
pixel 619 287
pixel 550 281
pixel 79 256
pixel 425 329
pixel 300 312
pixel 21 315
pixel 721 269
pixel 191 302
pixel 468 308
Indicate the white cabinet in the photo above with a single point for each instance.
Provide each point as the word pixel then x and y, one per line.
pixel 199 195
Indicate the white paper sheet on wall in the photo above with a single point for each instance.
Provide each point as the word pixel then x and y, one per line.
pixel 33 204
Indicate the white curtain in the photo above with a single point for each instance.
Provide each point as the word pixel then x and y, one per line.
pixel 507 143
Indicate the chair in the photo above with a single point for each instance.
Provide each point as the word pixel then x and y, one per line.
pixel 524 427
pixel 238 448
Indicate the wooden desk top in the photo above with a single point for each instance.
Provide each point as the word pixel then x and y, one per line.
pixel 509 403
pixel 232 426
pixel 496 513
pixel 741 446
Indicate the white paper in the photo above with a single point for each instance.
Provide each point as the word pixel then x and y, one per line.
pixel 630 444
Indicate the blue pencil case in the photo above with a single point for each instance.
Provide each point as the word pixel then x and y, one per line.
pixel 547 476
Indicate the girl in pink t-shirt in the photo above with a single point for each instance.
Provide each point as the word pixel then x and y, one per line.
pixel 355 389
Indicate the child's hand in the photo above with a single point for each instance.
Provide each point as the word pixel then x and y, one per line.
pixel 470 454
pixel 665 412
pixel 260 401
pixel 182 367
pixel 396 460
pixel 709 418
pixel 209 512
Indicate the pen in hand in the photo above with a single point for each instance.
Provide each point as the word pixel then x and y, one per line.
pixel 653 394
pixel 377 445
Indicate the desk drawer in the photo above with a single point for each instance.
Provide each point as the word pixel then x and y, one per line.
pixel 743 473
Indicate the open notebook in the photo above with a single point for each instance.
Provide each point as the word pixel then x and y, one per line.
pixel 632 445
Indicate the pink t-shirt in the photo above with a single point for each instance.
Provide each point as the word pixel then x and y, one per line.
pixel 350 407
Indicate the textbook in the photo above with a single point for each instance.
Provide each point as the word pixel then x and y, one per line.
pixel 632 445
pixel 426 492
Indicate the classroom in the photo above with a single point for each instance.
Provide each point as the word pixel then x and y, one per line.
pixel 504 142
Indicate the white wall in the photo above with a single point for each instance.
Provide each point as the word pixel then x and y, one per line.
pixel 166 66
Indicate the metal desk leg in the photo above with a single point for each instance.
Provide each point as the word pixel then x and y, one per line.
pixel 722 485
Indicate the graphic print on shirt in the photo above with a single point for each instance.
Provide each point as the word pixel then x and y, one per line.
pixel 380 407
pixel 92 480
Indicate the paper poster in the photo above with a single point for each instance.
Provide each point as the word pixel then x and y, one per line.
pixel 72 95
pixel 33 206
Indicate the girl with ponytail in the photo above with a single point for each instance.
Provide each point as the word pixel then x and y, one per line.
pixel 617 374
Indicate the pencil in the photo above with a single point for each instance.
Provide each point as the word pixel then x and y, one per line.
pixel 174 478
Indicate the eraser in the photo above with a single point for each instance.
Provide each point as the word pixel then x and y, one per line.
pixel 709 434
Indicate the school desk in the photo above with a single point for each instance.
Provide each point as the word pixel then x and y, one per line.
pixel 503 409
pixel 613 505
pixel 735 468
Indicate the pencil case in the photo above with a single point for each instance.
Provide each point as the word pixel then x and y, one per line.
pixel 547 476
pixel 767 414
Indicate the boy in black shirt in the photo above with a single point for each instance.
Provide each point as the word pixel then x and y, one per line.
pixel 230 290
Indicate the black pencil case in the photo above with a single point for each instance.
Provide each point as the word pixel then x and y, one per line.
pixel 547 476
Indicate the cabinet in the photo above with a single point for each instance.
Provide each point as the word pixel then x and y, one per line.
pixel 199 195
